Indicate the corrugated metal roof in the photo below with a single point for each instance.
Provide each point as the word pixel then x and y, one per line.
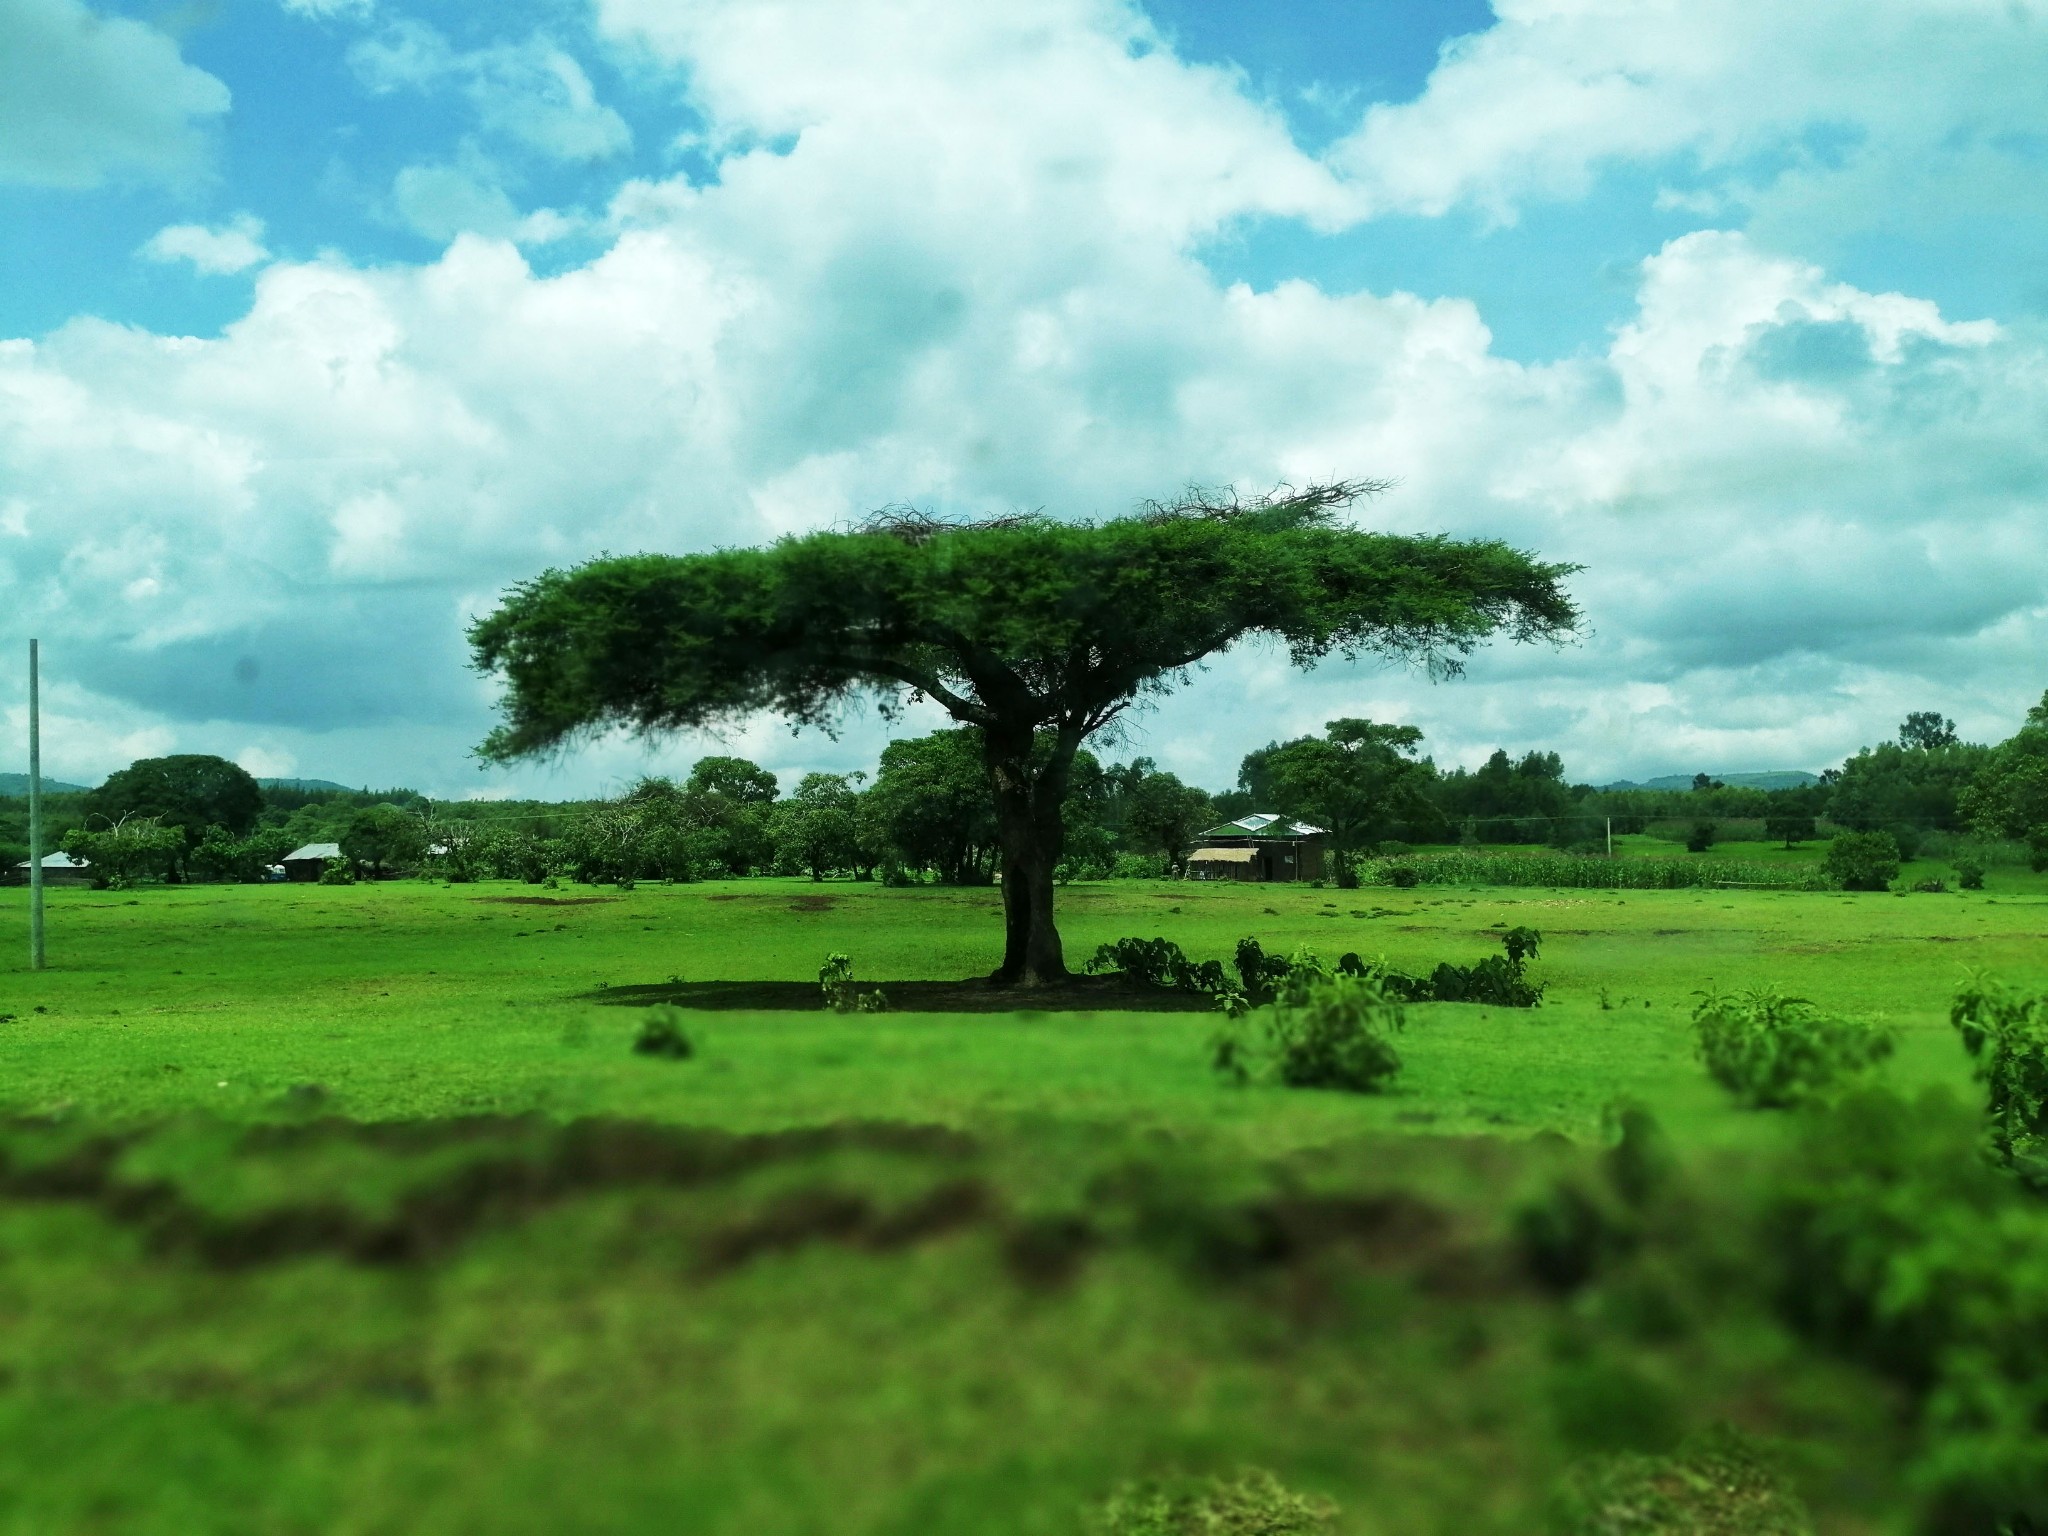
pixel 1266 824
pixel 314 851
pixel 59 861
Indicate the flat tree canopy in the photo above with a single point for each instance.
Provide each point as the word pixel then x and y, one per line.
pixel 1036 632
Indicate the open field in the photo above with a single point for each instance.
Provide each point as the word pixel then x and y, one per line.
pixel 906 1272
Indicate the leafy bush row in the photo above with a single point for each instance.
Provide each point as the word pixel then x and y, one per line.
pixel 1261 979
pixel 1585 872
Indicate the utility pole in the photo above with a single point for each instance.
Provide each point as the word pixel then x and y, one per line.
pixel 1610 837
pixel 35 808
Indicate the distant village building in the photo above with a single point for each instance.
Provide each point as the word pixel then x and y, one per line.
pixel 59 869
pixel 1261 846
pixel 309 862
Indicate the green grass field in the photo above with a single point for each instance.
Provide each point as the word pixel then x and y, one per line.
pixel 352 1210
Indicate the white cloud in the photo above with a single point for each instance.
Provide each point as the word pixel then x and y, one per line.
pixel 1750 92
pixel 321 10
pixel 530 93
pixel 948 258
pixel 233 247
pixel 85 97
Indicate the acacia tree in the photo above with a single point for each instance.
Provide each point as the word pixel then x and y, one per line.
pixel 1038 633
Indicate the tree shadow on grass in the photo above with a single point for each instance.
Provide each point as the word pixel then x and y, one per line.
pixel 1083 994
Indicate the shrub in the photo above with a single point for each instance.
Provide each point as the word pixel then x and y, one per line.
pixel 1251 1504
pixel 1969 875
pixel 1138 866
pixel 1158 963
pixel 835 981
pixel 1772 1051
pixel 1701 838
pixel 338 872
pixel 1322 1029
pixel 1862 861
pixel 1336 1036
pixel 1497 981
pixel 2006 1035
pixel 661 1034
pixel 1716 1485
pixel 1892 1244
pixel 1403 878
pixel 1934 887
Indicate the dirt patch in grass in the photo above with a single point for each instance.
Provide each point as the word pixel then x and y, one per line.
pixel 813 903
pixel 1082 994
pixel 548 901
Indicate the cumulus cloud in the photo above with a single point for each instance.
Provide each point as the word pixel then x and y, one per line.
pixel 86 96
pixel 1859 94
pixel 530 93
pixel 232 247
pixel 949 255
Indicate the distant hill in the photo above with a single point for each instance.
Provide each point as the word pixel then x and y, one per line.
pixel 1780 778
pixel 305 784
pixel 17 784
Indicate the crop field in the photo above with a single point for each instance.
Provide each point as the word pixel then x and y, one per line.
pixel 353 1209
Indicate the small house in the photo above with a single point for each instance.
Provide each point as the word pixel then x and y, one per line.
pixel 1261 846
pixel 59 869
pixel 309 862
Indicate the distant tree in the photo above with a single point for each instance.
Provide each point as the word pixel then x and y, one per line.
pixel 1704 783
pixel 244 860
pixel 188 793
pixel 133 848
pixel 1927 730
pixel 1862 861
pixel 815 828
pixel 1505 800
pixel 1890 787
pixel 2008 797
pixel 733 777
pixel 1162 815
pixel 1354 779
pixel 1037 633
pixel 932 802
pixel 1793 827
pixel 383 837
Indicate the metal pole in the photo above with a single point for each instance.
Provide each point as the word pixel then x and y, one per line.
pixel 1610 837
pixel 35 809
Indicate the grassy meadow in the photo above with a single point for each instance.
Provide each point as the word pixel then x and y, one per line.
pixel 351 1209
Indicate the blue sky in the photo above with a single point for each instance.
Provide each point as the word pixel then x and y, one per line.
pixel 321 321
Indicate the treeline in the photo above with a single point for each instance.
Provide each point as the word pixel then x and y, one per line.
pixel 926 813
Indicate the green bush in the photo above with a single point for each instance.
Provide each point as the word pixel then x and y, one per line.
pixel 1772 1051
pixel 2006 1035
pixel 1323 1029
pixel 1969 875
pixel 661 1034
pixel 1716 1485
pixel 1158 963
pixel 1862 861
pixel 337 872
pixel 1251 1504
pixel 1890 1242
pixel 835 981
pixel 1701 838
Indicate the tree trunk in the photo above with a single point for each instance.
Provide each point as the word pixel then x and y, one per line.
pixel 1030 798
